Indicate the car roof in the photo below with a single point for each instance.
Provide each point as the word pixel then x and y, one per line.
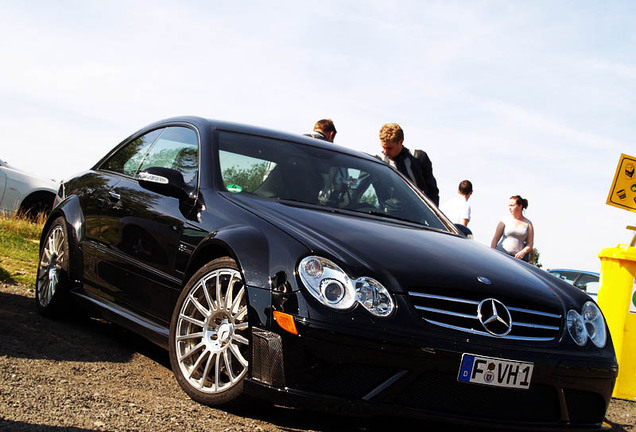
pixel 202 123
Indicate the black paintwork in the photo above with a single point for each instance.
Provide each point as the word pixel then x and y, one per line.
pixel 133 249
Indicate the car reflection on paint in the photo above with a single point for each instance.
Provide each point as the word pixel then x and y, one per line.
pixel 277 266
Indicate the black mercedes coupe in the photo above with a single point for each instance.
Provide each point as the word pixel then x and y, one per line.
pixel 279 266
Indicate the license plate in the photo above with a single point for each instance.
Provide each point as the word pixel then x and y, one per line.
pixel 495 372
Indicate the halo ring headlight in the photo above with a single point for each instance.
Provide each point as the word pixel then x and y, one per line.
pixel 587 325
pixel 330 285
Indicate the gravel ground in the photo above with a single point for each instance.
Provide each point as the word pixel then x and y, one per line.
pixel 90 375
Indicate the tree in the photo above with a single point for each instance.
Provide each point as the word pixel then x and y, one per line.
pixel 248 178
pixel 535 258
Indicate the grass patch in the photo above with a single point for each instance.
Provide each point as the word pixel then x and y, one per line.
pixel 19 249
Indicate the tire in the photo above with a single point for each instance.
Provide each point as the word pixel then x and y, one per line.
pixel 37 206
pixel 209 344
pixel 52 283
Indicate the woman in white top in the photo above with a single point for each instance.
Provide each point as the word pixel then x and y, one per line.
pixel 515 233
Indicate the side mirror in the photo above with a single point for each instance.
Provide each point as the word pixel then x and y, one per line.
pixel 165 181
pixel 464 230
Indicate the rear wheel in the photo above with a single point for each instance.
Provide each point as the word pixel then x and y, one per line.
pixel 209 345
pixel 52 278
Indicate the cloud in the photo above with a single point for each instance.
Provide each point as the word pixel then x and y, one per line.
pixel 541 124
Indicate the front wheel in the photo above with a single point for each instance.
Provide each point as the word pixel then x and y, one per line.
pixel 37 206
pixel 52 277
pixel 209 344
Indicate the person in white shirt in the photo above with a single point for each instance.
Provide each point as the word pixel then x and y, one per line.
pixel 458 208
pixel 515 231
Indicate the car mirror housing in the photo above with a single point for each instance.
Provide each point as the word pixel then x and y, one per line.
pixel 466 232
pixel 165 181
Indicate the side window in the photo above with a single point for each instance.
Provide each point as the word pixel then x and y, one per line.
pixel 245 172
pixel 176 148
pixel 585 281
pixel 128 158
pixel 567 276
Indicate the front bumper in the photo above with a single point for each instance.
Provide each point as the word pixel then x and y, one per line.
pixel 324 368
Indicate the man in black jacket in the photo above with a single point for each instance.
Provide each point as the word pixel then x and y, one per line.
pixel 414 165
pixel 323 130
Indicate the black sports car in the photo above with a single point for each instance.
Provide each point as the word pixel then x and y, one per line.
pixel 284 267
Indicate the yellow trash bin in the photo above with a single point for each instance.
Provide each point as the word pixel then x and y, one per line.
pixel 617 300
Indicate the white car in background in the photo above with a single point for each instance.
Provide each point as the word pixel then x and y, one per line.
pixel 21 192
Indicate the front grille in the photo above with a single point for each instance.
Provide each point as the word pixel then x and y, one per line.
pixel 458 310
pixel 350 380
pixel 444 394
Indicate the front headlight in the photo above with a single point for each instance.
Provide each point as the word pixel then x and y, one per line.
pixel 589 324
pixel 330 285
pixel 576 327
pixel 373 296
pixel 594 323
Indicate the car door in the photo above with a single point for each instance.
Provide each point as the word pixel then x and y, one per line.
pixel 99 203
pixel 141 230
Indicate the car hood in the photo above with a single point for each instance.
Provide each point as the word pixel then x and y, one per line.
pixel 32 180
pixel 406 257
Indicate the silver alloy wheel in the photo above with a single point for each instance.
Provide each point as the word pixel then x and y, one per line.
pixel 210 343
pixel 51 266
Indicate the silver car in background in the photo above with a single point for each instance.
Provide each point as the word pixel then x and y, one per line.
pixel 24 193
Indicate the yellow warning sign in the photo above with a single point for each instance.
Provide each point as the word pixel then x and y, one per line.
pixel 622 194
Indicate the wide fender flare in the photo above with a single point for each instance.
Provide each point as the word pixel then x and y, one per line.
pixel 245 244
pixel 71 211
pixel 262 260
pixel 259 257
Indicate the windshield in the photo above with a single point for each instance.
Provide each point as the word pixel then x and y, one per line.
pixel 276 169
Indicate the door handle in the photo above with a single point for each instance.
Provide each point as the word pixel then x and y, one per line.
pixel 114 196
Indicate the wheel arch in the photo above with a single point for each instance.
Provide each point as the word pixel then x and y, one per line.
pixel 244 244
pixel 73 216
pixel 34 196
pixel 248 247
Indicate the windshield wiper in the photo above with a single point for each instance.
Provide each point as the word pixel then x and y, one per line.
pixel 348 211
pixel 388 216
pixel 296 201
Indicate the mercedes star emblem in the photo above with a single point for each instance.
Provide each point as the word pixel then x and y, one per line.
pixel 495 317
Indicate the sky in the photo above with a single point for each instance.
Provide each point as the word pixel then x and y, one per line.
pixel 525 97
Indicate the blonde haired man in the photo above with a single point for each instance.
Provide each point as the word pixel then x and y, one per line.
pixel 416 166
